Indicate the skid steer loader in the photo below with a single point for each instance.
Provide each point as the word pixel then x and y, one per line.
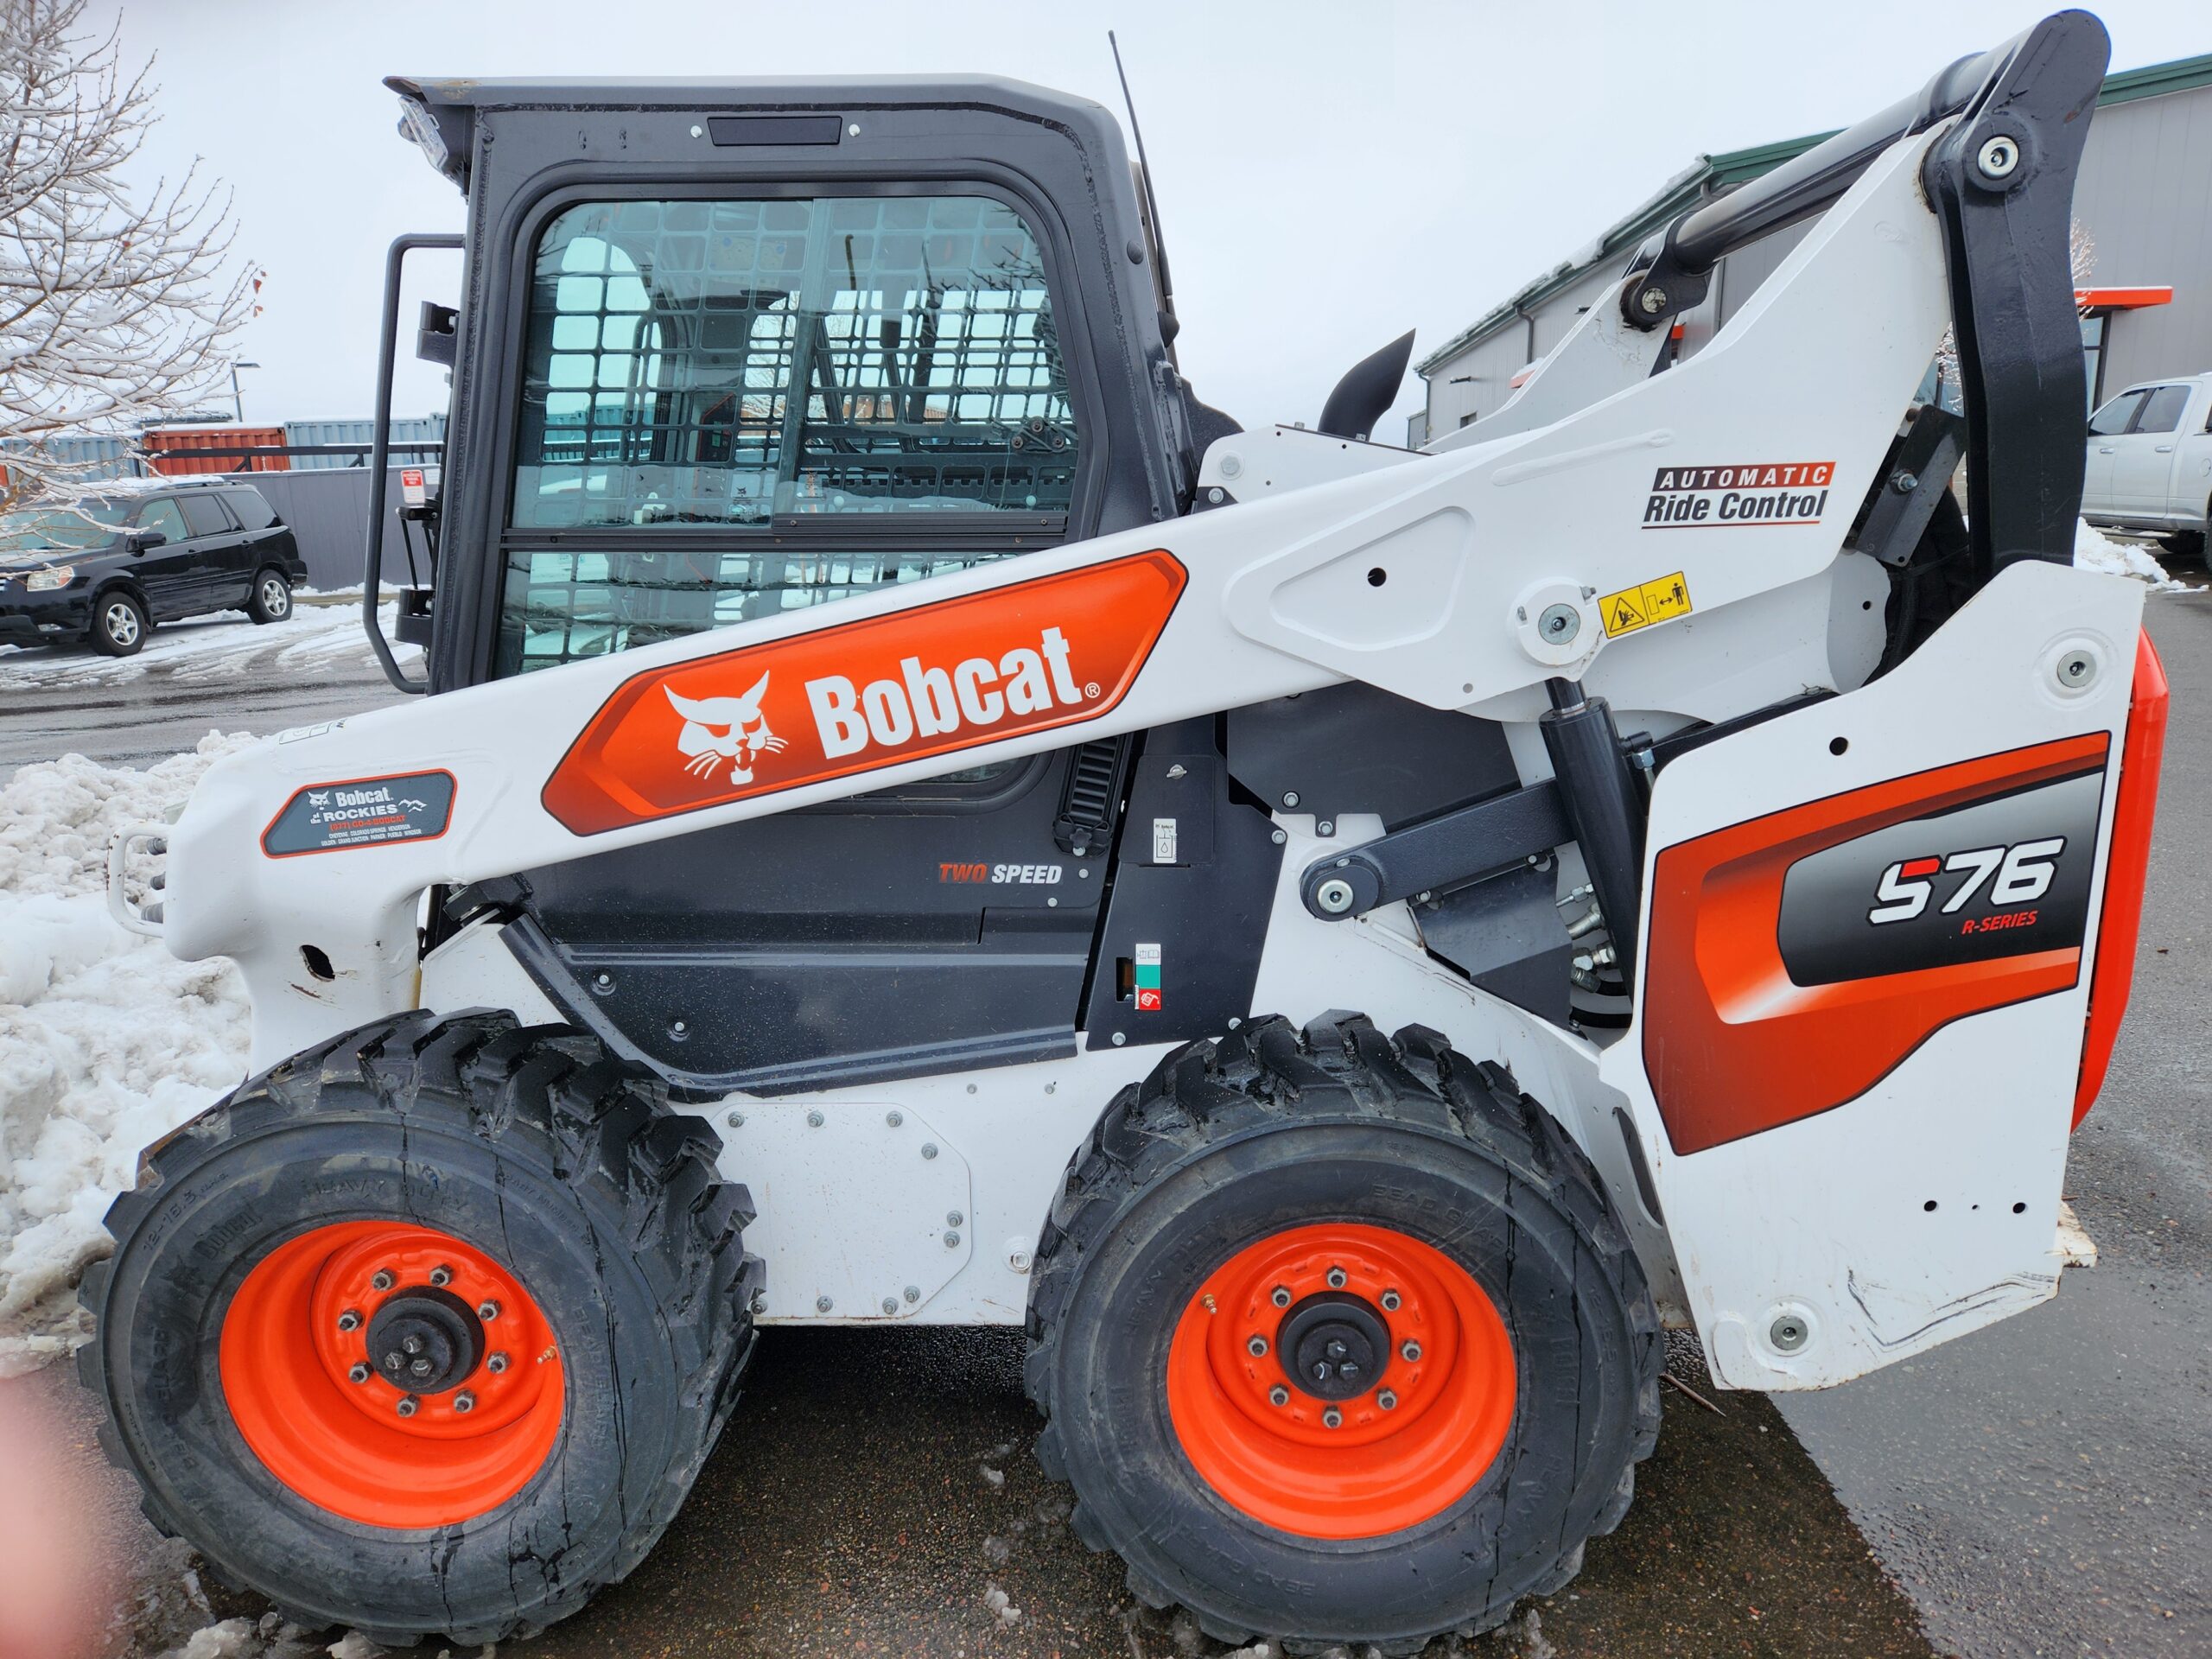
pixel 1340 943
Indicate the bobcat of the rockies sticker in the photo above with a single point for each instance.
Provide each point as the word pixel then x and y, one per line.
pixel 363 812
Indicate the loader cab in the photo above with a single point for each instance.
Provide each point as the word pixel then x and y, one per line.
pixel 730 349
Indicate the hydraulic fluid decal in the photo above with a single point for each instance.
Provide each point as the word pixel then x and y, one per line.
pixel 1794 960
pixel 363 812
pixel 1658 600
pixel 858 696
pixel 1147 979
pixel 1764 494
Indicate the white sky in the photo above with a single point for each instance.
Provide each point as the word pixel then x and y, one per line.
pixel 1328 176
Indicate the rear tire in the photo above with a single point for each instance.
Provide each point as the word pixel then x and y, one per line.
pixel 271 599
pixel 1400 1162
pixel 119 625
pixel 540 1177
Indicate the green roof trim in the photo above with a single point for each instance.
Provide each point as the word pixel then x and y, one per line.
pixel 1708 175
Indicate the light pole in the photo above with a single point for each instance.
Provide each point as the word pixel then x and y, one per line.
pixel 237 404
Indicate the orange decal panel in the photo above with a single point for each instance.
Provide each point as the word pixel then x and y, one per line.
pixel 1736 1043
pixel 861 695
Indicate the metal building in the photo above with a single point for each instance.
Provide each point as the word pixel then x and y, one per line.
pixel 2144 195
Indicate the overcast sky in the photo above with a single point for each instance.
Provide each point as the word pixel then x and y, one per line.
pixel 1329 174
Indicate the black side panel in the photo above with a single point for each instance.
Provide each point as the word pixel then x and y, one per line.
pixel 1194 879
pixel 1505 934
pixel 1353 748
pixel 880 938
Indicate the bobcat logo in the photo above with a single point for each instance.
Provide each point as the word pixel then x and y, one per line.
pixel 318 798
pixel 724 728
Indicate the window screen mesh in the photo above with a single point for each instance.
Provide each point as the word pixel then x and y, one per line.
pixel 725 362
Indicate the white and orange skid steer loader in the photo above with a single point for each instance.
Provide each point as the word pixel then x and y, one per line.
pixel 1731 844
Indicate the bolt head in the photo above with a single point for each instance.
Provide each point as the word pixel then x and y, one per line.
pixel 1391 1301
pixel 1334 895
pixel 1560 624
pixel 383 1280
pixel 890 1303
pixel 737 1120
pixel 1278 1395
pixel 419 1368
pixel 410 1344
pixel 1653 300
pixel 1387 1400
pixel 408 1406
pixel 1905 483
pixel 951 1239
pixel 441 1276
pixel 953 1218
pixel 912 1294
pixel 821 1304
pixel 1788 1332
pixel 497 1363
pixel 1119 1037
pixel 1256 1346
pixel 1999 156
pixel 1333 1418
pixel 1338 1278
pixel 814 1120
pixel 1410 1352
pixel 929 1148
pixel 360 1373
pixel 1290 797
pixel 1280 1295
pixel 895 1119
pixel 349 1320
pixel 487 1310
pixel 464 1401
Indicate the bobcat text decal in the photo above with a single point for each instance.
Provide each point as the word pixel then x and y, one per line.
pixel 857 696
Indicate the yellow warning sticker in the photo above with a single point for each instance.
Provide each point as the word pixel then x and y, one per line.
pixel 1659 600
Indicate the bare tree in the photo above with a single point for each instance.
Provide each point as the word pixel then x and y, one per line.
pixel 113 311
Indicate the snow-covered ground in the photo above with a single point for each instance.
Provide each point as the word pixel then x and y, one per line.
pixel 2095 550
pixel 106 1041
pixel 222 646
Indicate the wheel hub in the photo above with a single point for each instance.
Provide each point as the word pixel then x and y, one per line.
pixel 1334 1346
pixel 426 1340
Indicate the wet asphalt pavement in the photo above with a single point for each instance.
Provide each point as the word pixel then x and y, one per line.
pixel 2039 1488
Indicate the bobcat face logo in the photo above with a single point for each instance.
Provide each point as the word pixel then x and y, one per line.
pixel 716 729
pixel 318 798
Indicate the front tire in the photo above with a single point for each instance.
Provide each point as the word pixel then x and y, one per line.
pixel 1276 1204
pixel 271 599
pixel 119 625
pixel 509 1208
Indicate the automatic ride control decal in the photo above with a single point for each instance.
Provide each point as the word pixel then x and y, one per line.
pixel 857 696
pixel 1796 960
pixel 362 813
pixel 1761 494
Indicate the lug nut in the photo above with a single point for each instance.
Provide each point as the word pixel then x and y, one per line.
pixel 1387 1400
pixel 496 1364
pixel 464 1400
pixel 1279 1296
pixel 441 1276
pixel 1390 1300
pixel 360 1373
pixel 1256 1346
pixel 382 1280
pixel 1410 1352
pixel 1333 1418
pixel 1278 1395
pixel 487 1310
pixel 349 1320
pixel 408 1405
pixel 1339 1279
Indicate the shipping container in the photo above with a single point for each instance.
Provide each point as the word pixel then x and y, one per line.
pixel 169 449
pixel 428 429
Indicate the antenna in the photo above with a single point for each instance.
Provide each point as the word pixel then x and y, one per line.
pixel 1144 165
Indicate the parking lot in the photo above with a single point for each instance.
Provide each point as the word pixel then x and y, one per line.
pixel 2039 1488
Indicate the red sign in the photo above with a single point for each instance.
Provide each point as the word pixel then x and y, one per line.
pixel 862 695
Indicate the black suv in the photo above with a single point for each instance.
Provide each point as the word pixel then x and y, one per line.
pixel 109 568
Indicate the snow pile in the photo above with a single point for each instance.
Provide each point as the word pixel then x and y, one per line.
pixel 2095 550
pixel 106 1041
pixel 226 646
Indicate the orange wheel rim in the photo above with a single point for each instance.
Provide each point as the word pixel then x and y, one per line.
pixel 354 1433
pixel 1353 1456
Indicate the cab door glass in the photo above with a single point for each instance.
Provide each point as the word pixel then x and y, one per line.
pixel 204 516
pixel 164 515
pixel 2162 410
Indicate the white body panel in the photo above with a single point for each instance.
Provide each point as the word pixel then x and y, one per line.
pixel 2154 480
pixel 1544 512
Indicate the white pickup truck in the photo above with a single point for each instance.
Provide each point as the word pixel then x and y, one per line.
pixel 2150 461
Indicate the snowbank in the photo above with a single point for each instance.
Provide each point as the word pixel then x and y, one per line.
pixel 106 1041
pixel 2095 550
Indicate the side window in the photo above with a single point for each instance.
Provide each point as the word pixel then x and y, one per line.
pixel 204 515
pixel 250 508
pixel 164 515
pixel 2112 418
pixel 793 383
pixel 2162 410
